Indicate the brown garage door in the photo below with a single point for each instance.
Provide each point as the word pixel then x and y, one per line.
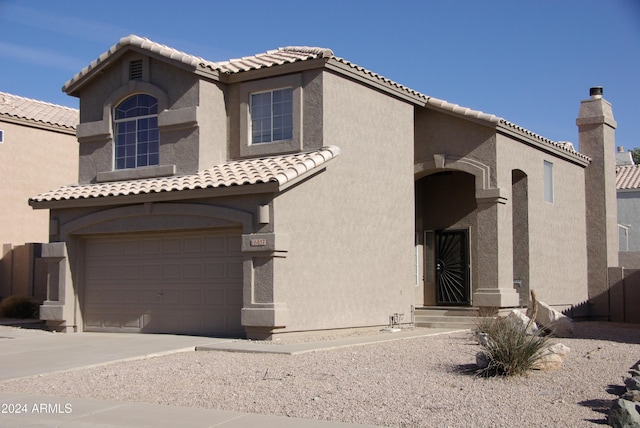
pixel 187 283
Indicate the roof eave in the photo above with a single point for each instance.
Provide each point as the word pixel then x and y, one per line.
pixel 212 192
pixel 136 44
pixel 271 71
pixel 37 124
pixel 575 158
pixel 340 67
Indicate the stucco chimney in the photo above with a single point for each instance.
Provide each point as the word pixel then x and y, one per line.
pixel 596 138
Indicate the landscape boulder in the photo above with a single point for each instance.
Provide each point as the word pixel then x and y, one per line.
pixel 552 321
pixel 552 357
pixel 519 318
pixel 625 410
pixel 624 414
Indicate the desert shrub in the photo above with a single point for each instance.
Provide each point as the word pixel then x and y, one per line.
pixel 507 347
pixel 19 307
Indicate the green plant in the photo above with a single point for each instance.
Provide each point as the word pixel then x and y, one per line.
pixel 19 307
pixel 508 349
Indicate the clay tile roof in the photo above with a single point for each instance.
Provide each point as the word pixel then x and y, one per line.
pixel 270 58
pixel 278 169
pixel 628 177
pixel 38 112
pixel 292 54
pixel 142 43
pixel 562 145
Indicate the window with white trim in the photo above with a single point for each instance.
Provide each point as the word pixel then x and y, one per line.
pixel 271 116
pixel 137 137
pixel 548 181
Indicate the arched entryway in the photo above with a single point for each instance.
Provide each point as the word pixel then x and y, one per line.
pixel 446 226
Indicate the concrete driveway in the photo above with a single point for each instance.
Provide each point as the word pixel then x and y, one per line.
pixel 25 352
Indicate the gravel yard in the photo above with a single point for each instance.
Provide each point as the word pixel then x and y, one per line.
pixel 419 382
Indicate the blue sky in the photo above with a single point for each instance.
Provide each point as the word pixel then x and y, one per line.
pixel 530 62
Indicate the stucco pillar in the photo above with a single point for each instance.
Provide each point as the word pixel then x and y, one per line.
pixel 58 309
pixel 596 138
pixel 495 252
pixel 261 314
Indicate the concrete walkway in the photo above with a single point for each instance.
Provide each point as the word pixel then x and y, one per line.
pixel 25 352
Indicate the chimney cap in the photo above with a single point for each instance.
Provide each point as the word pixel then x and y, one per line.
pixel 596 92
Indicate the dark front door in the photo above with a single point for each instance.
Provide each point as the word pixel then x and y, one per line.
pixel 452 267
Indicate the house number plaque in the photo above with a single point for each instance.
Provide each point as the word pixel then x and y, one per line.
pixel 258 242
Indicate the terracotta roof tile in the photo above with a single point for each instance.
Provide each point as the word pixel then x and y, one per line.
pixel 36 111
pixel 279 169
pixel 562 145
pixel 293 54
pixel 628 177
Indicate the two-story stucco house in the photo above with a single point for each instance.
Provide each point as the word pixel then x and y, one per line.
pixel 38 152
pixel 293 191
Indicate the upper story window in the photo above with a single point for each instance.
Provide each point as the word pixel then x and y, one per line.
pixel 137 137
pixel 271 116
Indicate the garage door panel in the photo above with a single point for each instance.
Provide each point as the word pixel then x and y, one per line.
pixel 172 246
pixel 234 270
pixel 193 297
pixel 235 297
pixel 193 271
pixel 172 271
pixel 151 271
pixel 131 272
pixel 187 283
pixel 215 245
pixel 132 248
pixel 131 297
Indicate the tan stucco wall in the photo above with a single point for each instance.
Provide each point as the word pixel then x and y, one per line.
pixel 33 161
pixel 439 133
pixel 557 243
pixel 192 136
pixel 557 231
pixel 351 228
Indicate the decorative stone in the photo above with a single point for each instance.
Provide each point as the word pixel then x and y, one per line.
pixel 518 318
pixel 483 339
pixel 548 362
pixel 632 383
pixel 481 360
pixel 552 357
pixel 624 414
pixel 633 395
pixel 552 321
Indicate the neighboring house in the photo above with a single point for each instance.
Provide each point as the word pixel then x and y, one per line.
pixel 38 152
pixel 628 193
pixel 293 191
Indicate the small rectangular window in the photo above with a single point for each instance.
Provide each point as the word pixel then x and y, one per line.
pixel 271 116
pixel 1 136
pixel 548 181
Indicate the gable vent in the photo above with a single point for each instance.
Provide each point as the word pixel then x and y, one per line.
pixel 135 70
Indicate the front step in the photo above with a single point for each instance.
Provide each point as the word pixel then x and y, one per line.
pixel 446 317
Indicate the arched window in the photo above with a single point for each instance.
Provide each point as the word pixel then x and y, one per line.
pixel 137 137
